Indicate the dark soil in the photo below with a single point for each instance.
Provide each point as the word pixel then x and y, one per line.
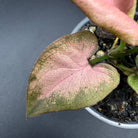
pixel 122 103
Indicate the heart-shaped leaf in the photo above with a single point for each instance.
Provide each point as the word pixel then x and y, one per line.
pixel 133 82
pixel 112 16
pixel 62 79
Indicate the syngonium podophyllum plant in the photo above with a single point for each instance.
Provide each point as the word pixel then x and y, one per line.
pixel 64 78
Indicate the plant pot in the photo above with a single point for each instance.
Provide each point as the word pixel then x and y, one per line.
pixel 94 112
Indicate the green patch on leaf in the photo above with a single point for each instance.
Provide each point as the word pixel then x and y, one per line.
pixel 32 78
pixel 132 11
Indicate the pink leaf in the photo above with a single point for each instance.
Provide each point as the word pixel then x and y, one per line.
pixel 62 79
pixel 112 16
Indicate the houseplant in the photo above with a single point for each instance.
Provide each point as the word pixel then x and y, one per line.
pixel 64 78
pixel 124 97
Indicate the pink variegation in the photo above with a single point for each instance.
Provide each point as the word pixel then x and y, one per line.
pixel 112 16
pixel 62 79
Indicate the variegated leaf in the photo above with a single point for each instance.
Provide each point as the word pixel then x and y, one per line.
pixel 112 16
pixel 62 78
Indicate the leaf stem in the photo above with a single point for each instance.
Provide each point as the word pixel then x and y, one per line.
pixel 93 62
pixel 116 55
pixel 124 68
pixel 121 46
pixel 115 42
pixel 120 54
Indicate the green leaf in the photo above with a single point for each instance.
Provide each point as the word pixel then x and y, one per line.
pixel 133 82
pixel 136 60
pixel 62 79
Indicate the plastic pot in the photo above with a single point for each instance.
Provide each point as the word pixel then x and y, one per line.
pixel 94 112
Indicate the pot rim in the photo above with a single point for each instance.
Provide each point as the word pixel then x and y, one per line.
pixel 91 110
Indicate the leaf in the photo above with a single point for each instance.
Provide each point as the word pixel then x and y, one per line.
pixel 133 82
pixel 131 12
pixel 136 60
pixel 112 16
pixel 62 79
